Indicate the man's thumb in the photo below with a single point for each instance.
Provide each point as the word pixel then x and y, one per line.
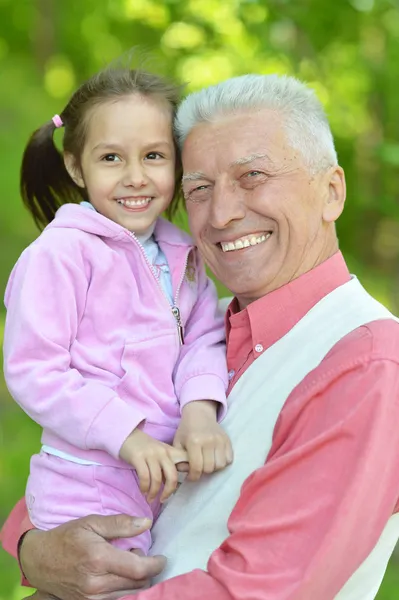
pixel 117 526
pixel 178 454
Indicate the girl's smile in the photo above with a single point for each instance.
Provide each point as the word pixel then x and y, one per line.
pixel 128 161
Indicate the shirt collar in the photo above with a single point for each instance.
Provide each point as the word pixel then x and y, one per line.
pixel 272 316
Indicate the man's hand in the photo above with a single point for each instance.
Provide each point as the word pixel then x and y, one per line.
pixel 154 462
pixel 75 562
pixel 207 444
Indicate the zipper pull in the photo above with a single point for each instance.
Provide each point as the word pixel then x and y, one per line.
pixel 180 331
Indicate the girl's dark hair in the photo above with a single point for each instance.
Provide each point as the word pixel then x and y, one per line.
pixel 45 182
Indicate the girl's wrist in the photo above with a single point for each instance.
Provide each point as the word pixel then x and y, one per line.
pixel 206 407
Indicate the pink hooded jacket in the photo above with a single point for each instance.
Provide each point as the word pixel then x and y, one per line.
pixel 91 344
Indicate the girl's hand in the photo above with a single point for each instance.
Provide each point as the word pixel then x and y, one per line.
pixel 206 443
pixel 154 462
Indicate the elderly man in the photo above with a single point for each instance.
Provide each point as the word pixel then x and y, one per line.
pixel 308 509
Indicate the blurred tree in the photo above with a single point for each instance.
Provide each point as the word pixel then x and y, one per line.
pixel 348 50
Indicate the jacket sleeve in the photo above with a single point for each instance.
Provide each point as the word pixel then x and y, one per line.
pixel 201 372
pixel 307 520
pixel 45 301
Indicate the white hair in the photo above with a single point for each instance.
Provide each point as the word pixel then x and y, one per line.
pixel 304 120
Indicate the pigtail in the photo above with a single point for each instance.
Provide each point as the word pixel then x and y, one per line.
pixel 45 182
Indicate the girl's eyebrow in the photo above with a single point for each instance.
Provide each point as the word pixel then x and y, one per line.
pixel 103 145
pixel 116 146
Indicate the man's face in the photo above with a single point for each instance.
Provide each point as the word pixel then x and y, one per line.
pixel 259 218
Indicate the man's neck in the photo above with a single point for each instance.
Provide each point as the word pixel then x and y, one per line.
pixel 327 253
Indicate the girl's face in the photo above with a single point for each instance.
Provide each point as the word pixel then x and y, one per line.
pixel 128 161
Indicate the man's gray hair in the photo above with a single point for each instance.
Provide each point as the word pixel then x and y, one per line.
pixel 304 120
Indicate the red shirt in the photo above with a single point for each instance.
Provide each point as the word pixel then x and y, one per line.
pixel 306 520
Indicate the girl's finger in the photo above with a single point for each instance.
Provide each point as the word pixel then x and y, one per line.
pixel 208 456
pixel 143 474
pixel 220 457
pixel 229 451
pixel 170 477
pixel 155 470
pixel 196 462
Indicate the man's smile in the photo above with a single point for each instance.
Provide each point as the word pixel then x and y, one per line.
pixel 245 241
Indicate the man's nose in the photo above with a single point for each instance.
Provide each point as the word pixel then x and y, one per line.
pixel 227 205
pixel 135 175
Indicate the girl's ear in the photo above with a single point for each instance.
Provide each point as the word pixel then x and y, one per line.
pixel 74 171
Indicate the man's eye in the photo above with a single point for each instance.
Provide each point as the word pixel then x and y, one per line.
pixel 154 156
pixel 110 158
pixel 197 194
pixel 253 173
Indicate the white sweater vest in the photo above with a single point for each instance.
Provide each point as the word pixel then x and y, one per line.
pixel 194 523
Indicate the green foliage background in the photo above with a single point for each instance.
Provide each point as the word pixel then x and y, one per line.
pixel 348 50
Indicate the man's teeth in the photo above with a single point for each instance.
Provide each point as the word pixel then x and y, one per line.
pixel 245 242
pixel 132 203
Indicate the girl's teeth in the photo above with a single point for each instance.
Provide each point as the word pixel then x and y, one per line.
pixel 244 242
pixel 133 203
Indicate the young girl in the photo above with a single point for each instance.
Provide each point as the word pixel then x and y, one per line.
pixel 112 340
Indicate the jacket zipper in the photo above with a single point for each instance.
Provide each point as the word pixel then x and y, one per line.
pixel 174 306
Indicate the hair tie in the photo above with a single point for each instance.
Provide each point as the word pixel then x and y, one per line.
pixel 57 121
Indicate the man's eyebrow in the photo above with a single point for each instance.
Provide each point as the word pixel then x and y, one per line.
pixel 195 176
pixel 245 160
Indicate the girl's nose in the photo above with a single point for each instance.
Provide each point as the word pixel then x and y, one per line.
pixel 135 176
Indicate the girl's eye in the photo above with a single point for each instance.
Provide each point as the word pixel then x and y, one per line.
pixel 111 158
pixel 154 155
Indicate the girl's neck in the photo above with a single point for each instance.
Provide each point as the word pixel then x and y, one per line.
pixel 145 235
pixel 142 237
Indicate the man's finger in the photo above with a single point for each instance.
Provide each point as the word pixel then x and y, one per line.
pixel 183 467
pixel 178 455
pixel 131 567
pixel 117 526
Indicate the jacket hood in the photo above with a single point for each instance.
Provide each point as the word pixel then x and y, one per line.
pixel 74 216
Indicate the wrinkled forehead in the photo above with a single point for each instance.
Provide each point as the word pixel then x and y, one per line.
pixel 235 139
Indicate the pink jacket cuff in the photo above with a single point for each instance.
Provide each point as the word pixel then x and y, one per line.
pixel 205 387
pixel 112 426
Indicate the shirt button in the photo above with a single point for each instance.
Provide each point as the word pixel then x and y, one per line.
pixel 258 348
pixel 231 374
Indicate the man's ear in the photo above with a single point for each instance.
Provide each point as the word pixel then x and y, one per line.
pixel 336 194
pixel 73 169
